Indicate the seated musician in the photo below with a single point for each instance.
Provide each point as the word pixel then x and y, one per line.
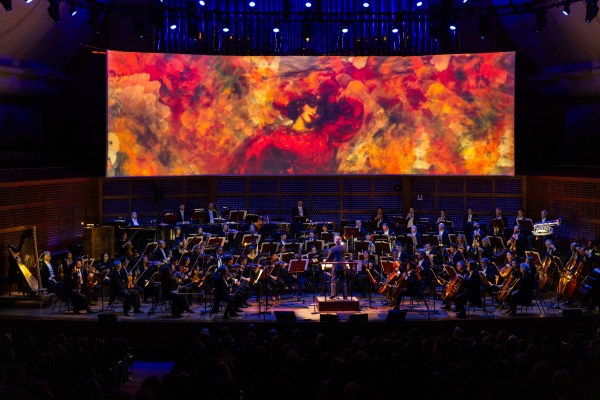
pixel 127 290
pixel 454 256
pixel 366 276
pixel 462 245
pixel 499 217
pixel 431 254
pixel 371 243
pixel 379 217
pixel 161 254
pixel 522 294
pixel 520 218
pixel 492 276
pixel 386 231
pixel 415 235
pixel 223 293
pixel 361 230
pixel 125 247
pixel 212 212
pixel 517 242
pixel 549 250
pixel 486 249
pixel 73 286
pixel 471 292
pixel 477 231
pixel 469 220
pixel 300 211
pixel 134 221
pixel 169 284
pixel 105 263
pixel 442 219
pixel 443 235
pixel 400 254
pixel 181 215
pixel 243 281
pixel 423 264
pixel 411 218
pixel 49 277
pixel 409 285
pixel 283 241
pixel 145 278
pixel 275 276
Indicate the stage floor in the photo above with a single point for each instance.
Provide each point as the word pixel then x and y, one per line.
pixel 303 308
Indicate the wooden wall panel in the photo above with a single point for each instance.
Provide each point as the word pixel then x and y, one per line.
pixel 57 208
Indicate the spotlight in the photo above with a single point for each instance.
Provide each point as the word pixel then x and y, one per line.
pixel 275 29
pixel 452 27
pixel 202 3
pixel 252 4
pixel 344 29
pixel 567 9
pixel 540 21
pixel 366 4
pixel 395 29
pixel 28 1
pixel 7 4
pixel 54 10
pixel 419 3
pixel 464 1
pixel 225 28
pixel 73 10
pixel 591 10
pixel 308 4
pixel 173 27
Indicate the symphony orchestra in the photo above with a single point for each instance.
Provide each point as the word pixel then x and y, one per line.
pixel 513 261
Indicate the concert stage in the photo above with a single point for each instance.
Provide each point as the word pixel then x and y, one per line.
pixel 145 330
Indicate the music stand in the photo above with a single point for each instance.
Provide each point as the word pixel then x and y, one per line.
pixel 269 247
pixel 319 245
pixel 497 243
pixel 194 240
pixel 327 236
pixel 525 224
pixel 407 242
pixel 300 219
pixel 497 225
pixel 382 247
pixel 216 241
pixel 299 267
pixel 351 233
pixel 149 249
pixel 361 246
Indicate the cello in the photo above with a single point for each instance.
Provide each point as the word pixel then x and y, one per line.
pixel 509 285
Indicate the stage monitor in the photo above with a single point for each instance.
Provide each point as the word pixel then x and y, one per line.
pixel 188 115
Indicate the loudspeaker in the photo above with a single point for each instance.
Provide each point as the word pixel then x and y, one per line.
pixel 396 315
pixel 330 318
pixel 107 318
pixel 572 312
pixel 358 317
pixel 285 316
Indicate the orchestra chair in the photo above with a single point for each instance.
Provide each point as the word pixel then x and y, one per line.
pixel 470 306
pixel 113 301
pixel 536 301
pixel 159 302
pixel 65 302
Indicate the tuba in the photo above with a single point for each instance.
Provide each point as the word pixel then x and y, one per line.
pixel 545 228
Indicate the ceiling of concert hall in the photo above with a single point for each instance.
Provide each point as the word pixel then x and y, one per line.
pixel 566 49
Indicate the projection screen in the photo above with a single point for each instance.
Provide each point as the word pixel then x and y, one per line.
pixel 175 114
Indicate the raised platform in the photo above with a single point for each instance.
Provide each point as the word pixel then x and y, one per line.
pixel 26 301
pixel 326 305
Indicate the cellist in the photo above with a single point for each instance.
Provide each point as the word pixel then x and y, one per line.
pixel 522 293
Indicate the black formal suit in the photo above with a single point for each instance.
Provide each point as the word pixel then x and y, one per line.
pixel 133 223
pixel 336 255
pixel 46 271
pixel 296 212
pixel 471 293
pixel 522 293
pixel 181 216
pixel 417 238
pixel 179 302
pixel 468 225
pixel 414 221
pixel 445 237
pixel 160 254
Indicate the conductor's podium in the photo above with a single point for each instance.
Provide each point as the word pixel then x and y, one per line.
pixel 325 305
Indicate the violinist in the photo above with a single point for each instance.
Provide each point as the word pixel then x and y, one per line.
pixel 161 254
pixel 73 284
pixel 523 292
pixel 242 281
pixel 408 285
pixel 105 262
pixel 118 288
pixel 179 242
pixel 517 242
pixel 229 235
pixel 223 293
pixel 454 256
pixel 472 290
pixel 275 276
pixel 125 246
pixel 462 245
pixel 92 287
pixel 168 288
pixel 490 276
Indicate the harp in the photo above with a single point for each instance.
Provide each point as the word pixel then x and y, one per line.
pixel 26 258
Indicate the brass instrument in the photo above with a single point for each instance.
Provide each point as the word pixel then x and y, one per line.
pixel 545 228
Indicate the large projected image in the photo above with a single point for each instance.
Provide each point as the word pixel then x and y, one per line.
pixel 174 114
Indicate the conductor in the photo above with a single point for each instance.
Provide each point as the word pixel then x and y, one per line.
pixel 336 255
